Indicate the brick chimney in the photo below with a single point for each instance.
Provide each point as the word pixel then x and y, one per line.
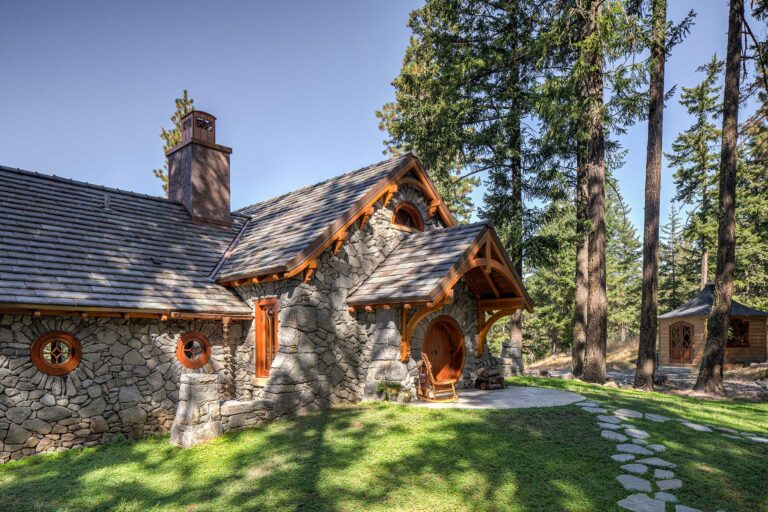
pixel 198 170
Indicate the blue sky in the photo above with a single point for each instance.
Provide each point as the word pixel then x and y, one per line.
pixel 86 87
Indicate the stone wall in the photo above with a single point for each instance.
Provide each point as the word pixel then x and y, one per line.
pixel 383 327
pixel 126 383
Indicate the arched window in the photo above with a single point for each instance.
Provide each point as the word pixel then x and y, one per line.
pixel 193 350
pixel 407 215
pixel 56 353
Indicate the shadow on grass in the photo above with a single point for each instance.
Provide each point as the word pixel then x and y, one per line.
pixel 374 457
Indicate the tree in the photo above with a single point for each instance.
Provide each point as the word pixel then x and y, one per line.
pixel 670 256
pixel 695 160
pixel 710 376
pixel 623 264
pixel 646 351
pixel 172 137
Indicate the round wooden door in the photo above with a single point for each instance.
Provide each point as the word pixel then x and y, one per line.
pixel 444 346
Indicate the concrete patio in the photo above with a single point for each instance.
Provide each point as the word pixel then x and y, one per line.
pixel 513 397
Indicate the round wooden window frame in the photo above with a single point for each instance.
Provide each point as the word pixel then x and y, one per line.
pixel 414 212
pixel 75 353
pixel 201 361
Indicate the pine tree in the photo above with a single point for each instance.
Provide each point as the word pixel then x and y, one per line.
pixel 710 376
pixel 695 159
pixel 172 137
pixel 624 263
pixel 671 248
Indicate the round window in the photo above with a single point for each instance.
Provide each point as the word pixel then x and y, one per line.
pixel 193 350
pixel 56 353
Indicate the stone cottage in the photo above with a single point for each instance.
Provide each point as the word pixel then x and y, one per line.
pixel 123 314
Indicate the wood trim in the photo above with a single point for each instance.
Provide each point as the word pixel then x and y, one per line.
pixel 91 312
pixel 484 326
pixel 265 349
pixel 310 271
pixel 75 351
pixel 413 212
pixel 408 327
pixel 181 356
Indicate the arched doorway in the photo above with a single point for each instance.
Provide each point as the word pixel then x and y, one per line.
pixel 444 346
pixel 681 343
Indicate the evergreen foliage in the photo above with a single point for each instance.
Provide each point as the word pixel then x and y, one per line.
pixel 172 137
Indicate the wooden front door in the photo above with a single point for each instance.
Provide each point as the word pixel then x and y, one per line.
pixel 444 346
pixel 681 342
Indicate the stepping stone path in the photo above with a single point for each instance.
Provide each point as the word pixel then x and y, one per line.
pixel 668 485
pixel 697 427
pixel 627 413
pixel 613 436
pixel 634 483
pixel 637 433
pixel 649 494
pixel 633 448
pixel 665 496
pixel 642 503
pixel 638 469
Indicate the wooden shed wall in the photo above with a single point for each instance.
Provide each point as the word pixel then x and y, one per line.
pixel 755 352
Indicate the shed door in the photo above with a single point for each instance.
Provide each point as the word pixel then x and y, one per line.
pixel 681 343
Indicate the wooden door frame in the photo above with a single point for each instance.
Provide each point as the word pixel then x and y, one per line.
pixel 682 323
pixel 454 326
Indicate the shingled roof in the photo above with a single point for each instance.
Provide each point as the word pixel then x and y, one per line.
pixel 282 229
pixel 416 267
pixel 70 244
pixel 701 304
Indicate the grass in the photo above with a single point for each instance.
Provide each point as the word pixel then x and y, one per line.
pixel 718 472
pixel 384 456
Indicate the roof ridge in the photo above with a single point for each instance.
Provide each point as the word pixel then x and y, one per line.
pixel 101 188
pixel 317 184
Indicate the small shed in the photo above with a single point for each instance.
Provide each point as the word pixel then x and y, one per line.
pixel 683 332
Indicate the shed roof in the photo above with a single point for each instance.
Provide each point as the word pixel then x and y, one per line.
pixel 71 244
pixel 702 302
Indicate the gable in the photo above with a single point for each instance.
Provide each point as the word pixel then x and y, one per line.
pixel 285 235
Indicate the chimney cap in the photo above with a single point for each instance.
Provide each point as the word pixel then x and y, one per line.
pixel 198 127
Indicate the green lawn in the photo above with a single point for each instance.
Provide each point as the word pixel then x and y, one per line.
pixel 391 457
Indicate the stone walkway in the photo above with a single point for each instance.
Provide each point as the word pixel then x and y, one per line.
pixel 513 397
pixel 646 475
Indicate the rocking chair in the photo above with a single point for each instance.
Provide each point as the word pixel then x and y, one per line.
pixel 431 390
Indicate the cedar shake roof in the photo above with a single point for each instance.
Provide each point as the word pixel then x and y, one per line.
pixel 282 228
pixel 60 245
pixel 702 303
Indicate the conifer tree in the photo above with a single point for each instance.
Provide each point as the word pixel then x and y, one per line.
pixel 171 137
pixel 671 249
pixel 695 159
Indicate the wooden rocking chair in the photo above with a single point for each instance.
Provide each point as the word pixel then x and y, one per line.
pixel 432 390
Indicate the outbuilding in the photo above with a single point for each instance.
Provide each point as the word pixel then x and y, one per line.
pixel 683 332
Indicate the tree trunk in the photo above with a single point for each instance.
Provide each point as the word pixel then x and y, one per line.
pixel 516 178
pixel 711 370
pixel 592 92
pixel 582 262
pixel 553 335
pixel 649 305
pixel 704 268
